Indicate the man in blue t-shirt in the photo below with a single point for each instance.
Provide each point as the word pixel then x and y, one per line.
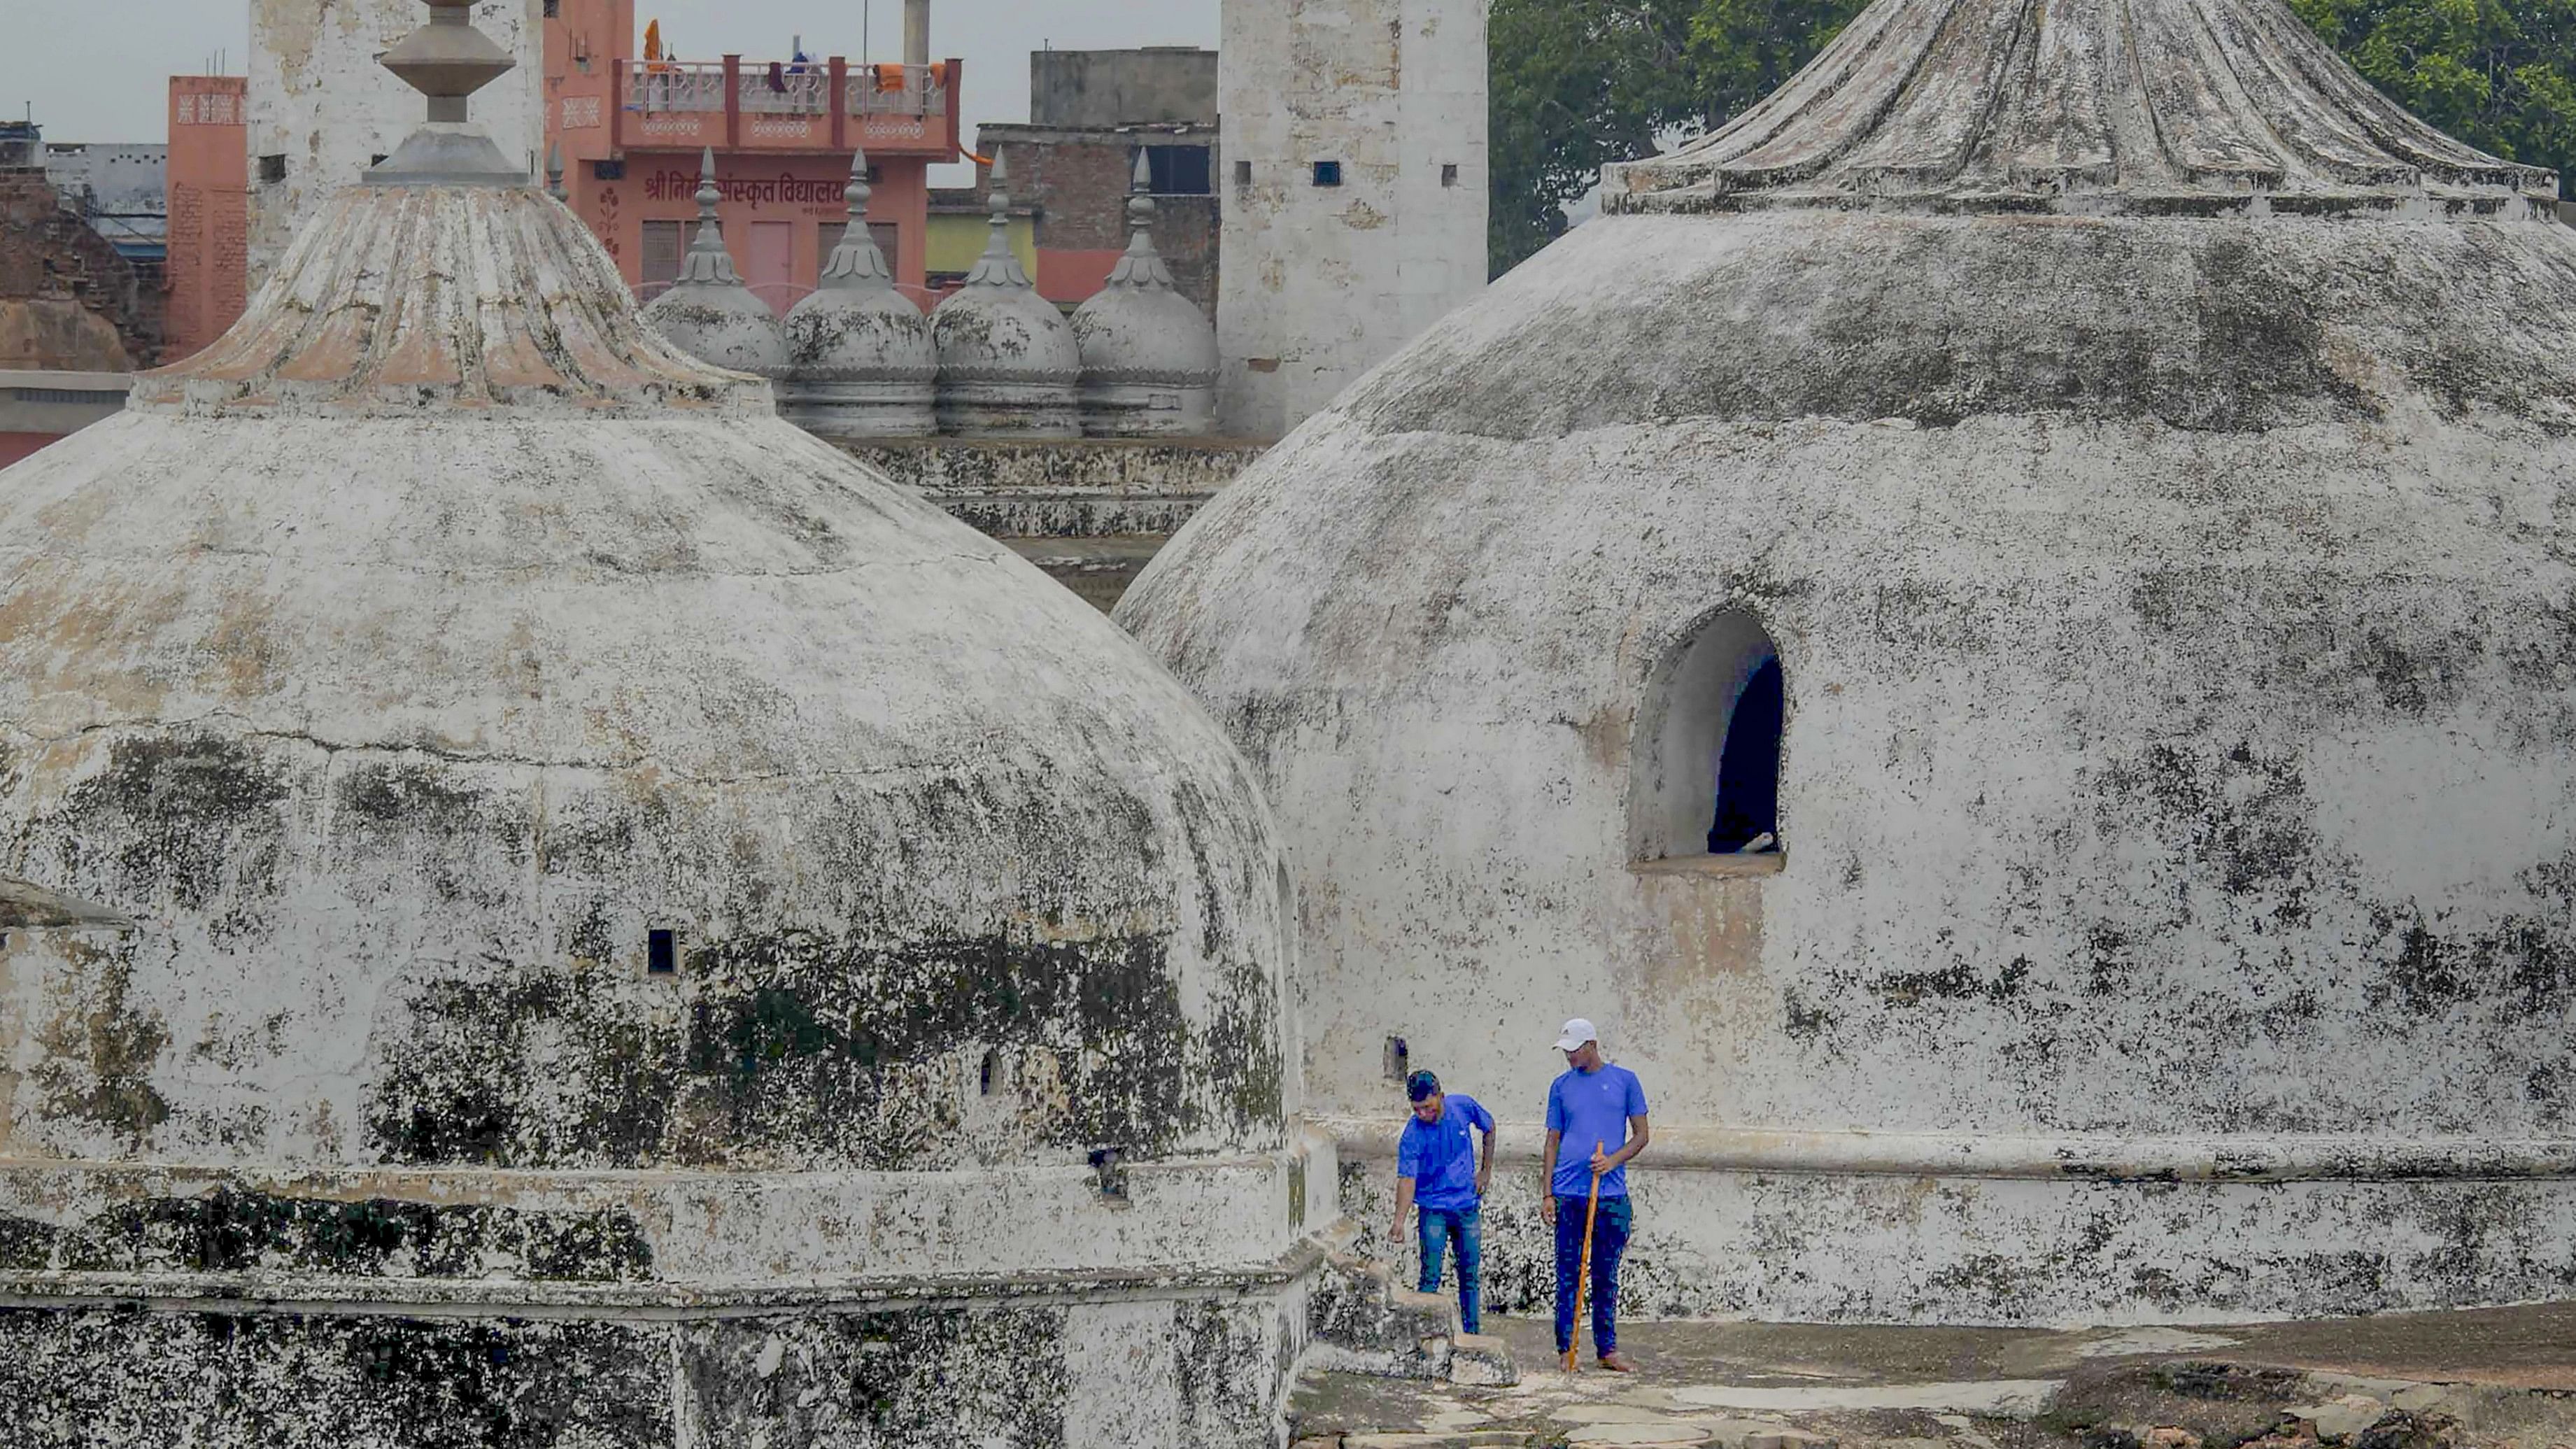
pixel 1439 1173
pixel 1596 1123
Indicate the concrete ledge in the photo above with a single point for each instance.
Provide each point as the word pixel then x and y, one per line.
pixel 1690 1148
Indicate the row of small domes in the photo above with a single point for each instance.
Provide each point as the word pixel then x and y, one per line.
pixel 858 359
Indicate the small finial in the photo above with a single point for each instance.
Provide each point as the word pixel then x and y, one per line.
pixel 1140 195
pixel 858 191
pixel 999 266
pixel 707 262
pixel 555 173
pixel 1141 266
pixel 857 261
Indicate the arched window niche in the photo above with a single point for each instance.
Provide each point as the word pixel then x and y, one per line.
pixel 1704 792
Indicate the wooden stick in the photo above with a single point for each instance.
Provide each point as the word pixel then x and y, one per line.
pixel 1583 1268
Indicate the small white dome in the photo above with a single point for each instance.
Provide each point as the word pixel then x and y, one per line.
pixel 1008 362
pixel 708 313
pixel 1149 357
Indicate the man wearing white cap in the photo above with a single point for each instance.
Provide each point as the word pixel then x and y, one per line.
pixel 1596 1123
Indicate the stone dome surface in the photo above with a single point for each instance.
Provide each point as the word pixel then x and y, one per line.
pixel 410 658
pixel 860 361
pixel 1149 355
pixel 609 914
pixel 1008 362
pixel 2145 449
pixel 1131 334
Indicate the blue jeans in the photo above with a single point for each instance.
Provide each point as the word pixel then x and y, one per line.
pixel 1465 1226
pixel 1609 1240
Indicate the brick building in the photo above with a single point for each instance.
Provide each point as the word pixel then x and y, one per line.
pixel 68 299
pixel 209 205
pixel 1090 112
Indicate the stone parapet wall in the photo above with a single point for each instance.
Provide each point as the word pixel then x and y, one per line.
pixel 1091 513
pixel 1852 1247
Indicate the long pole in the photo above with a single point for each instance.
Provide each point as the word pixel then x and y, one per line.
pixel 1583 1269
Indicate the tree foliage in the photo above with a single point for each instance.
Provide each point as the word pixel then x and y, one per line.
pixel 1581 83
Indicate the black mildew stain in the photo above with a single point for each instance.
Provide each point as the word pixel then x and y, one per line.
pixel 233 1231
pixel 189 814
pixel 129 1379
pixel 994 1378
pixel 793 1043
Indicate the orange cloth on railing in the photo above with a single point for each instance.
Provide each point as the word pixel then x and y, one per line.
pixel 891 79
pixel 653 40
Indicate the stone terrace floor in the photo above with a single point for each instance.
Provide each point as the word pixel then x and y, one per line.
pixel 2504 1377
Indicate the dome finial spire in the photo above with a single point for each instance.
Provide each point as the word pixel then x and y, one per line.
pixel 1142 266
pixel 999 266
pixel 448 60
pixel 708 263
pixel 857 261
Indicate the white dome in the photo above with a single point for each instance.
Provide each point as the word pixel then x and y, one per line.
pixel 708 312
pixel 861 363
pixel 406 660
pixel 1008 362
pixel 722 325
pixel 2169 586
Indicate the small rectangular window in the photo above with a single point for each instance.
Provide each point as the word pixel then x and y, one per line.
pixel 1449 174
pixel 554 9
pixel 1243 173
pixel 272 169
pixel 662 953
pixel 1328 173
pixel 607 170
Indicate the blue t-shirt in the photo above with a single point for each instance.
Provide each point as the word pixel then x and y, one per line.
pixel 1441 1158
pixel 1590 1109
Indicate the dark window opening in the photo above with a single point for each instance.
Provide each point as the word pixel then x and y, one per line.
pixel 272 169
pixel 991 1061
pixel 662 953
pixel 1243 173
pixel 1449 174
pixel 1399 1059
pixel 1110 1166
pixel 1748 768
pixel 1179 170
pixel 554 9
pixel 1328 173
pixel 1708 746
pixel 607 170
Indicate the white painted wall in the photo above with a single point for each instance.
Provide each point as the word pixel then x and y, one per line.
pixel 1321 284
pixel 318 98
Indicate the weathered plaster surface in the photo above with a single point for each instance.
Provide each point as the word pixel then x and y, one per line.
pixel 1164 1371
pixel 1323 283
pixel 2175 615
pixel 402 666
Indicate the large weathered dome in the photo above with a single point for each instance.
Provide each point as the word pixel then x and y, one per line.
pixel 593 846
pixel 2138 454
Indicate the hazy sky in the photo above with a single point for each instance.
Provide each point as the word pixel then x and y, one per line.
pixel 96 70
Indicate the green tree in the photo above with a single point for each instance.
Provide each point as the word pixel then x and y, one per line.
pixel 1580 83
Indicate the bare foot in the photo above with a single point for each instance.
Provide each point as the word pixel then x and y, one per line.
pixel 1618 1363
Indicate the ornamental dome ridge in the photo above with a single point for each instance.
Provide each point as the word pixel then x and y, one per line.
pixel 2087 107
